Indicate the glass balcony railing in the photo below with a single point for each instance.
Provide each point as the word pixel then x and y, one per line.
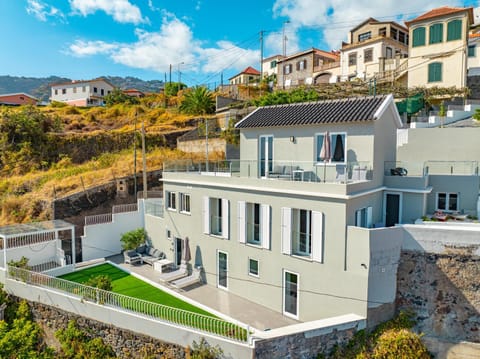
pixel 330 172
pixel 154 208
pixel 420 169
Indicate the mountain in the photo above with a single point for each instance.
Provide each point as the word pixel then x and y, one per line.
pixel 40 86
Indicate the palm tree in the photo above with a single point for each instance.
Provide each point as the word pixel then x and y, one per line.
pixel 198 101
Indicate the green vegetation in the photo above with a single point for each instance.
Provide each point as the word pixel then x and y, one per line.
pixel 390 340
pixel 133 239
pixel 101 282
pixel 203 350
pixel 126 284
pixel 76 344
pixel 198 101
pixel 172 88
pixel 117 96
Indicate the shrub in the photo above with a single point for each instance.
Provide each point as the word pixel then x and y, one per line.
pixel 203 350
pixel 402 343
pixel 101 282
pixel 133 239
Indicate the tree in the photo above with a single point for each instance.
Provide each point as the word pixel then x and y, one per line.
pixel 117 96
pixel 198 101
pixel 133 239
pixel 101 282
pixel 172 88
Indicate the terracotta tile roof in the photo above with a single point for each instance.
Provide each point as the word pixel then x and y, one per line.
pixel 250 71
pixel 441 11
pixel 358 109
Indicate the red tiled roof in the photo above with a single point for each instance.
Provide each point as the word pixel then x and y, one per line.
pixel 250 71
pixel 442 11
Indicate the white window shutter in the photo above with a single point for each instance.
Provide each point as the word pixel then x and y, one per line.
pixel 265 225
pixel 225 218
pixel 241 211
pixel 206 215
pixel 369 217
pixel 317 236
pixel 286 230
pixel 358 218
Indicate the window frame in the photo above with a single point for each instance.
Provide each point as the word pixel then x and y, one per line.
pixel 419 35
pixel 252 209
pixel 273 64
pixel 450 28
pixel 448 196
pixel 364 36
pixel 297 222
pixel 318 148
pixel 284 287
pixel 471 50
pixel 352 59
pixel 433 68
pixel 184 203
pixel 249 267
pixel 435 33
pixel 171 202
pixel 368 52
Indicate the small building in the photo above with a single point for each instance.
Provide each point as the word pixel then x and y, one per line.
pixel 17 99
pixel 134 93
pixel 270 65
pixel 249 76
pixel 437 50
pixel 307 68
pixel 81 93
pixel 375 49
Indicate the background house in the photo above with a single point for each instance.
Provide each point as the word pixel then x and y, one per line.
pixel 375 49
pixel 307 68
pixel 438 46
pixel 16 99
pixel 249 76
pixel 81 93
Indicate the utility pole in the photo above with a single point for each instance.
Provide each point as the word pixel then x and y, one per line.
pixel 170 78
pixel 135 155
pixel 144 162
pixel 206 143
pixel 284 38
pixel 261 60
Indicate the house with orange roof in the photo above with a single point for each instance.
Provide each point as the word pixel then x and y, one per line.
pixel 134 93
pixel 376 49
pixel 438 47
pixel 81 93
pixel 17 99
pixel 308 67
pixel 249 76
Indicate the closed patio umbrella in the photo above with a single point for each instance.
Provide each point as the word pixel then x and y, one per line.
pixel 186 255
pixel 325 152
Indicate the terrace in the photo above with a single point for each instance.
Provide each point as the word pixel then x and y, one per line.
pixel 313 172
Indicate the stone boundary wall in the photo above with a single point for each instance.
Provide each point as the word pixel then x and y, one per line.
pixel 125 343
pixel 307 342
pixel 443 290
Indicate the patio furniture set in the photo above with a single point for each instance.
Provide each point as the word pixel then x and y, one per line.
pixel 143 254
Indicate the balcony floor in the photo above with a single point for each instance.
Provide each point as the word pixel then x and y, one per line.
pixel 238 308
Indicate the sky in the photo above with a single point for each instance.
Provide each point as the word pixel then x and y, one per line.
pixel 199 42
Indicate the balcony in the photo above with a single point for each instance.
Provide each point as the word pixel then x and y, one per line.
pixel 293 171
pixel 422 169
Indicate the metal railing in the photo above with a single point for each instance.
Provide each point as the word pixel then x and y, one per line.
pixel 98 219
pixel 123 208
pixel 150 194
pixel 151 310
pixel 303 171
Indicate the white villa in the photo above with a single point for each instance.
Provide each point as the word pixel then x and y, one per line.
pixel 81 93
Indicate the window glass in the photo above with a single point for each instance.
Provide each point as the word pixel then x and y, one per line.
pixel 452 202
pixel 352 59
pixel 184 203
pixel 368 55
pixel 337 149
pixel 471 51
pixel 171 200
pixel 253 267
pixel 290 293
pixel 301 232
pixel 364 36
pixel 442 201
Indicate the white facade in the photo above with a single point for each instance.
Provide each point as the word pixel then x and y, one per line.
pixel 81 93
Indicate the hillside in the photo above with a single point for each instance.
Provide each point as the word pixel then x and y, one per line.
pixel 40 86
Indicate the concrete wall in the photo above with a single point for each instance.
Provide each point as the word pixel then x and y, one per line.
pixel 198 146
pixel 103 240
pixel 37 253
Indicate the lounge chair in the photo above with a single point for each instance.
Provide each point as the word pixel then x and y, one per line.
pixel 188 280
pixel 132 257
pixel 181 272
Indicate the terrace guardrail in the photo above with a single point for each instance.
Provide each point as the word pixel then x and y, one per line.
pixel 123 208
pixel 155 209
pixel 183 318
pixel 304 171
pixel 419 169
pixel 98 219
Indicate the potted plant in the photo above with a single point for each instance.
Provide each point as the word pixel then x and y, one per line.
pixel 133 239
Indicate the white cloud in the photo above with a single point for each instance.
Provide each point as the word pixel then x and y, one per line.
pixel 121 10
pixel 81 48
pixel 336 17
pixel 173 44
pixel 43 11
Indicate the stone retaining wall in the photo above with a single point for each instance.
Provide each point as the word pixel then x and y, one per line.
pixel 126 344
pixel 443 289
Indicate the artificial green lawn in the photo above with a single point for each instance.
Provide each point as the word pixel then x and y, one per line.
pixel 126 284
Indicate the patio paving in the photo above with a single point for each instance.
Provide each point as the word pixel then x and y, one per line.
pixel 222 301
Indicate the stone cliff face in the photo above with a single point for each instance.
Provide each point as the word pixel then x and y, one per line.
pixel 444 292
